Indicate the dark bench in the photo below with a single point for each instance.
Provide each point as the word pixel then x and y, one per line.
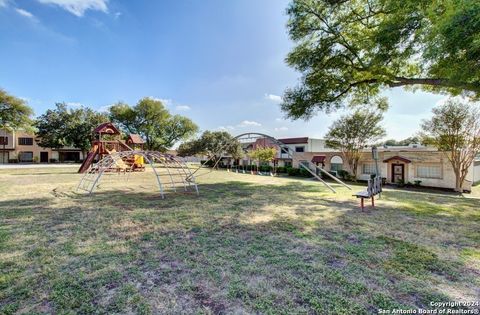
pixel 374 187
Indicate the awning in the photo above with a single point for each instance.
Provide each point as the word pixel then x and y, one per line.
pixel 397 158
pixel 318 158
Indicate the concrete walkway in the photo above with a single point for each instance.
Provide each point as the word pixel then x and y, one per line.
pixel 33 165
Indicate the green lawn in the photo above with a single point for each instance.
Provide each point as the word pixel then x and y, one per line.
pixel 247 244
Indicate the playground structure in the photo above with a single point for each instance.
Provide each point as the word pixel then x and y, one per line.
pixel 108 142
pixel 170 172
pixel 284 149
pixel 113 155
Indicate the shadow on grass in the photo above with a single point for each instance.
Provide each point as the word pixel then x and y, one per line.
pixel 238 247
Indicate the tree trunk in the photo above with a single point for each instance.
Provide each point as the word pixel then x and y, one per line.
pixel 458 183
pixel 458 179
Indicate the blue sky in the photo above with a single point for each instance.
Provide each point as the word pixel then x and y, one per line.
pixel 219 62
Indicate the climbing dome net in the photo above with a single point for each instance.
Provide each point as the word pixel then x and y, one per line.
pixel 171 172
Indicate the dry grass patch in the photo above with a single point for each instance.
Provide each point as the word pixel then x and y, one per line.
pixel 247 244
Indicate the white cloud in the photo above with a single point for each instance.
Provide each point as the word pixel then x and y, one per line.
pixel 105 109
pixel 74 104
pixel 274 98
pixel 249 123
pixel 25 13
pixel 226 128
pixel 281 128
pixel 3 3
pixel 78 7
pixel 182 108
pixel 278 119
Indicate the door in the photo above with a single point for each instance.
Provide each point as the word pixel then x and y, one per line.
pixel 398 173
pixel 4 155
pixel 43 157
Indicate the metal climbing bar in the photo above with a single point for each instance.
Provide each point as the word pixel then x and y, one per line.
pixel 91 179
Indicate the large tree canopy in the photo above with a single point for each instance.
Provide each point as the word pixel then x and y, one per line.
pixel 352 49
pixel 211 144
pixel 263 154
pixel 352 133
pixel 150 119
pixel 455 130
pixel 14 112
pixel 63 126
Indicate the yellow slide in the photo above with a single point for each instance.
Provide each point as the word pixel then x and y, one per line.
pixel 139 160
pixel 119 163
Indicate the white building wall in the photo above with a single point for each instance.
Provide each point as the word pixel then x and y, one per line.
pixel 318 145
pixel 476 173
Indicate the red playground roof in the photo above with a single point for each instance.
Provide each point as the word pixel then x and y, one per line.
pixel 135 139
pixel 107 128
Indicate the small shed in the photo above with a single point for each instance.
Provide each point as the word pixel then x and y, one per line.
pixel 135 141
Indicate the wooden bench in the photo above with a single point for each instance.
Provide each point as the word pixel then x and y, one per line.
pixel 374 187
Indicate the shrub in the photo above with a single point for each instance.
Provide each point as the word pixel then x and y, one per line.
pixel 264 168
pixel 343 174
pixel 281 169
pixel 53 160
pixel 305 173
pixel 293 171
pixel 417 183
pixel 210 163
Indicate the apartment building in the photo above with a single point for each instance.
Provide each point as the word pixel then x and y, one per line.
pixel 396 164
pixel 22 147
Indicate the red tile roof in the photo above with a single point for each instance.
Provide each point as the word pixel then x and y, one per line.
pixel 264 143
pixel 294 140
pixel 318 158
pixel 135 139
pixel 397 157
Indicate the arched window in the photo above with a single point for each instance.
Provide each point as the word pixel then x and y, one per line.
pixel 336 163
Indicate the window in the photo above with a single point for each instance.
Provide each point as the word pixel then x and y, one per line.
pixel 303 162
pixel 26 156
pixel 429 171
pixel 3 140
pixel 300 149
pixel 25 141
pixel 284 150
pixel 336 163
pixel 288 164
pixel 369 169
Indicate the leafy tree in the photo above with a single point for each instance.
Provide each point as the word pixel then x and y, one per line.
pixel 189 148
pixel 353 132
pixel 404 142
pixel 62 126
pixel 150 119
pixel 14 114
pixel 455 130
pixel 350 50
pixel 212 144
pixel 263 154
